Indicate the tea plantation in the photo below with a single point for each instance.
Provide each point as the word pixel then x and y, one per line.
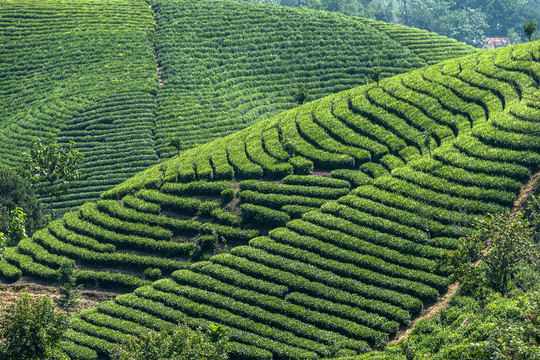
pixel 326 221
pixel 88 71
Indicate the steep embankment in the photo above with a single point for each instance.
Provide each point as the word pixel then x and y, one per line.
pixel 87 71
pixel 436 148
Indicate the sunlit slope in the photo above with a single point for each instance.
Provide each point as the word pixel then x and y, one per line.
pixel 86 71
pixel 430 47
pixel 354 256
pixel 228 64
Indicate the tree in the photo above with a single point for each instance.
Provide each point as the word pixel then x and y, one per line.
pixel 529 27
pixel 32 329
pixel 181 344
pixel 467 25
pixel 374 76
pixel 17 228
pixel 17 192
pixel 67 286
pixel 54 165
pixel 177 143
pixel 501 242
pixel 301 94
pixel 3 243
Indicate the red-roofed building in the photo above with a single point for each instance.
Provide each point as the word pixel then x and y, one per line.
pixel 493 43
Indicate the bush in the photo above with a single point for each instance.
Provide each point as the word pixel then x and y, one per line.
pixel 225 217
pixel 302 166
pixel 32 329
pixel 264 216
pixel 315 181
pixel 182 344
pixel 152 274
pixel 298 283
pixel 206 188
pixel 356 178
pixel 227 195
pixel 206 208
pixel 17 192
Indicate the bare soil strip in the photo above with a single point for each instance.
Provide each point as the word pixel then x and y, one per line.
pixel 435 309
pixel 9 294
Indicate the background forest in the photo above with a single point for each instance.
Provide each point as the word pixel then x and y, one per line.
pixel 470 21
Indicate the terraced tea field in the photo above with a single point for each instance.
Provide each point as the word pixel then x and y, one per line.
pixel 227 64
pixel 87 70
pixel 341 209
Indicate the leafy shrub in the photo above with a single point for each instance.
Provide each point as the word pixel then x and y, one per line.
pixel 31 329
pixel 227 195
pixel 302 166
pixel 264 216
pixel 152 273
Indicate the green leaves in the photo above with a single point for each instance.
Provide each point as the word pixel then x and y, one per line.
pixel 32 329
pixel 47 161
pixel 53 164
pixel 501 241
pixel 529 27
pixel 17 227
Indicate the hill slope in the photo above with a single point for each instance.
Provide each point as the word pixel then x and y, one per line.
pixel 437 147
pixel 87 71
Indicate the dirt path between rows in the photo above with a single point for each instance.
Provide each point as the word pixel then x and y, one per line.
pixel 433 310
pixel 10 293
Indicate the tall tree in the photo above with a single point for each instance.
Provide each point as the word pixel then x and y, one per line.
pixel 467 25
pixel 177 143
pixel 529 27
pixel 53 165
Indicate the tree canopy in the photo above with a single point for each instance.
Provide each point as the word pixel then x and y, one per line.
pixel 17 192
pixel 53 165
pixel 31 329
pixel 470 21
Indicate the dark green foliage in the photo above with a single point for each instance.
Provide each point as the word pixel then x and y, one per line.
pixel 529 27
pixel 374 76
pixel 302 166
pixel 67 279
pixel 152 274
pixel 225 217
pixel 357 262
pixel 52 165
pixel 301 95
pixel 17 227
pixel 315 181
pixel 17 192
pixel 510 240
pixel 356 178
pixel 264 216
pixel 177 143
pixel 31 329
pixel 205 188
pixel 227 195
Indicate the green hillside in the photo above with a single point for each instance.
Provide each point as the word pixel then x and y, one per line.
pixel 87 70
pixel 340 256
